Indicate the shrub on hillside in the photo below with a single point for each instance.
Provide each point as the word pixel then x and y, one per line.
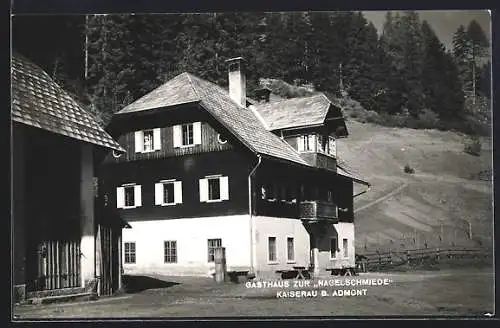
pixel 409 169
pixel 473 146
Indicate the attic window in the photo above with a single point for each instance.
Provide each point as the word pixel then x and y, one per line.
pixel 222 140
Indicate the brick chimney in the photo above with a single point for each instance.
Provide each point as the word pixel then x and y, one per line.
pixel 237 80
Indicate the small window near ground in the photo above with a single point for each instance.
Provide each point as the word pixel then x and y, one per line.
pixel 129 251
pixel 212 245
pixel 345 246
pixel 272 249
pixel 333 248
pixel 290 249
pixel 170 249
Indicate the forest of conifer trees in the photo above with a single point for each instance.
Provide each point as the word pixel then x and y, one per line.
pixel 108 61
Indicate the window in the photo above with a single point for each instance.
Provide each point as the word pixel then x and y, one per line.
pixel 212 245
pixel 332 148
pixel 128 196
pixel 290 247
pixel 129 252
pixel 320 145
pixel 271 250
pixel 170 248
pixel 147 140
pixel 269 193
pixel 187 135
pixel 333 247
pixel 346 249
pixel 306 142
pixel 329 196
pixel 283 194
pixel 214 188
pixel 168 192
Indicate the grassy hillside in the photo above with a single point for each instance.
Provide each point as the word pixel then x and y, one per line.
pixel 434 205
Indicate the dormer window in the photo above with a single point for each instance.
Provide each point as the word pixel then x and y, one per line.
pixel 332 147
pixel 187 135
pixel 306 142
pixel 147 140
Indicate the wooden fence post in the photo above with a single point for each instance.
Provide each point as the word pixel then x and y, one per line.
pixel 220 264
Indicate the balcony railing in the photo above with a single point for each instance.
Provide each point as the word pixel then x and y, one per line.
pixel 320 160
pixel 318 210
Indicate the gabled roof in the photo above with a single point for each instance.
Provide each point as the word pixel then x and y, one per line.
pixel 343 172
pixel 39 102
pixel 295 112
pixel 243 122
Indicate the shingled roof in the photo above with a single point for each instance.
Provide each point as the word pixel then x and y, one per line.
pixel 39 102
pixel 243 122
pixel 291 112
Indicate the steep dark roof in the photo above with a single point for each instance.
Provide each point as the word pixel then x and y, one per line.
pixel 295 112
pixel 39 102
pixel 243 122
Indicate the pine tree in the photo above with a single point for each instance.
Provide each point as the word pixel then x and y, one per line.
pixel 442 88
pixel 470 46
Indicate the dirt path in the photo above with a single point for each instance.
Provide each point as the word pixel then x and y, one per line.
pixel 381 199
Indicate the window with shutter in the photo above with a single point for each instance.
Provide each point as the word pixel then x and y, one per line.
pixel 214 189
pixel 187 135
pixel 147 137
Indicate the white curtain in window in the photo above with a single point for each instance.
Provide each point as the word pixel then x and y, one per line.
pixel 300 143
pixel 312 142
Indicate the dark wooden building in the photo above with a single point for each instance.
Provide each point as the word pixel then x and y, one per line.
pixel 205 167
pixel 56 146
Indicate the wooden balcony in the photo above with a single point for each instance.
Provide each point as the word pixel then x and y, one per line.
pixel 318 210
pixel 321 160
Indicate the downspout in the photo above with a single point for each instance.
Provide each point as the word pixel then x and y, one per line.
pixel 252 223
